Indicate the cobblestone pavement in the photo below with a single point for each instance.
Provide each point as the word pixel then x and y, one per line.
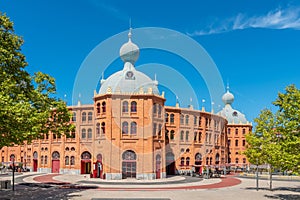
pixel 56 186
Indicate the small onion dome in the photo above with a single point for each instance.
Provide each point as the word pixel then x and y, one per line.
pixel 228 98
pixel 129 52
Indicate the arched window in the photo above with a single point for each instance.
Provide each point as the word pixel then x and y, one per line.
pixel 236 143
pixel 228 130
pixel 90 116
pixel 207 160
pixel 237 160
pixel 35 155
pixel 125 128
pixel 103 107
pixel 159 110
pixel 72 149
pixel 154 129
pixel 217 158
pixel 195 120
pixel 244 143
pixel 187 150
pixel 83 133
pixel 55 155
pixel 206 137
pixel 67 160
pixel 187 161
pixel 83 117
pixel 198 159
pixel 236 131
pixel 181 119
pixel 133 128
pixel 210 160
pixel 167 117
pixel 187 136
pixel 182 161
pixel 244 160
pixel 210 138
pixel 229 143
pixel 199 137
pixel 154 108
pixel 172 135
pixel 99 157
pixel 187 120
pixel 98 108
pixel 167 135
pixel 98 129
pixel 159 129
pixel 42 159
pixel 195 136
pixel 67 149
pixel 103 128
pixel 181 135
pixel 90 133
pixel 46 160
pixel 72 160
pixel 199 121
pixel 133 107
pixel 172 118
pixel 129 155
pixel 244 131
pixel 125 106
pixel 86 155
pixel 74 117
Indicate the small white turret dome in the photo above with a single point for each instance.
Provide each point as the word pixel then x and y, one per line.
pixel 129 52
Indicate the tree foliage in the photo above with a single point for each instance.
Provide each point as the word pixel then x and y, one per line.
pixel 27 106
pixel 276 139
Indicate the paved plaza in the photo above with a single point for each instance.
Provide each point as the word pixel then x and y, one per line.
pixel 57 186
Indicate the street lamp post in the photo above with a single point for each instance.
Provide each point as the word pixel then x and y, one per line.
pixel 13 174
pixel 256 174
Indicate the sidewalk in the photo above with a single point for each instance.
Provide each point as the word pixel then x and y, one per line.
pixel 274 177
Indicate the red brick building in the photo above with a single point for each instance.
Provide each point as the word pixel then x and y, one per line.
pixel 129 132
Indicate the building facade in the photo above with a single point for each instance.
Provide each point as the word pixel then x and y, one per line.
pixel 129 133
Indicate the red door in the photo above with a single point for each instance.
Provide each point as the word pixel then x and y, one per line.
pixel 157 169
pixel 35 164
pixel 55 166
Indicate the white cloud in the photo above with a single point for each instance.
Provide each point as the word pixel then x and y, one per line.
pixel 288 18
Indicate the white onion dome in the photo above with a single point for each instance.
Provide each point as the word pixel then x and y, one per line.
pixel 228 98
pixel 129 80
pixel 129 52
pixel 233 116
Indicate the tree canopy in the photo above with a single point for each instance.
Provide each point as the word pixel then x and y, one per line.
pixel 28 108
pixel 276 139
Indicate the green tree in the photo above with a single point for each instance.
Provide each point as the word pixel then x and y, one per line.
pixel 276 139
pixel 28 108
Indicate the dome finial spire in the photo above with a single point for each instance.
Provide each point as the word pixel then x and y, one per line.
pixel 129 51
pixel 227 87
pixel 130 29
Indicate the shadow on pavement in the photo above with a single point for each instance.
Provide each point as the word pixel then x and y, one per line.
pixel 291 189
pixel 284 196
pixel 281 196
pixel 44 191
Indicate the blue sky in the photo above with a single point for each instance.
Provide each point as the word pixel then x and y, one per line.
pixel 254 44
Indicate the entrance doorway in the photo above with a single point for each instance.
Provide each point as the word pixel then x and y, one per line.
pixel 55 162
pixel 35 161
pixel 85 166
pixel 35 164
pixel 86 162
pixel 129 164
pixel 170 161
pixel 158 165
